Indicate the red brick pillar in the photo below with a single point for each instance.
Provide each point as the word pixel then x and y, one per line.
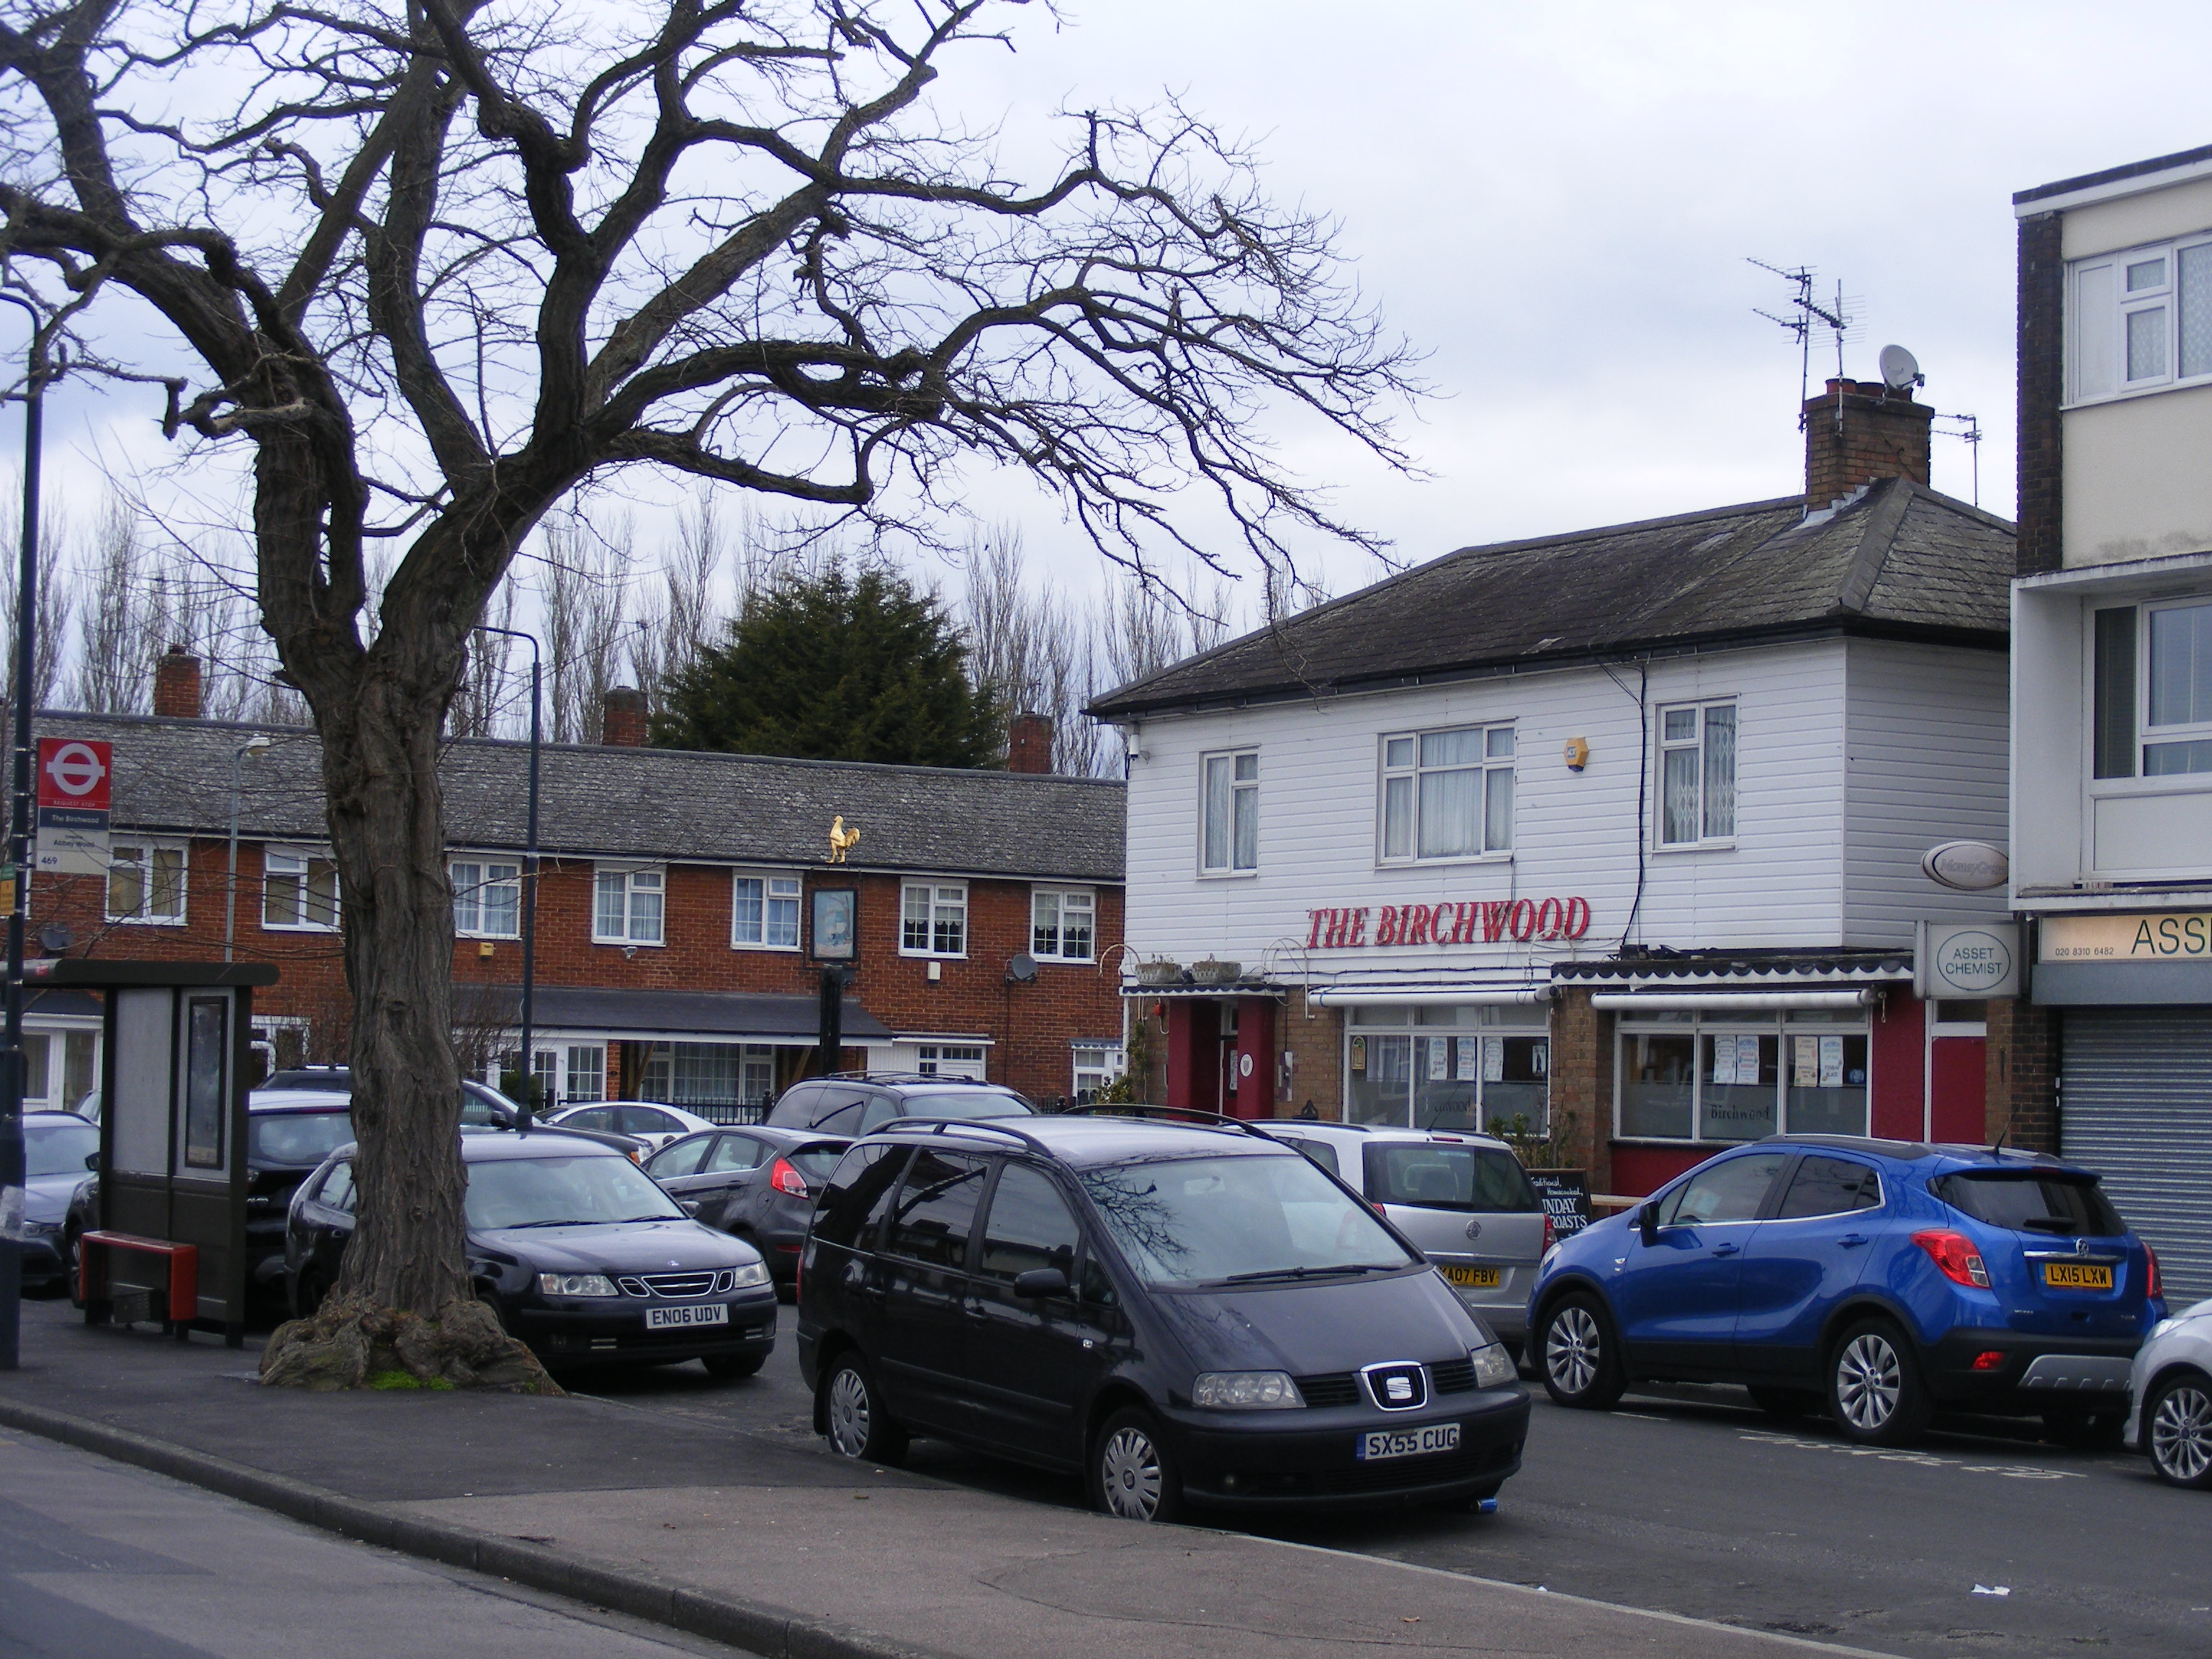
pixel 622 717
pixel 177 684
pixel 1582 1082
pixel 2022 1057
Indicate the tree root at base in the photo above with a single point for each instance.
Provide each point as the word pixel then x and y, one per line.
pixel 347 1344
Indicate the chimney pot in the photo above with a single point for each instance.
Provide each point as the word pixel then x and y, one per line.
pixel 1857 432
pixel 622 718
pixel 1029 743
pixel 177 684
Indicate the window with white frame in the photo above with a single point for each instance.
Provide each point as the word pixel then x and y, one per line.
pixel 933 919
pixel 1230 832
pixel 764 911
pixel 1447 795
pixel 630 905
pixel 950 1059
pixel 1449 1067
pixel 1697 774
pixel 2151 696
pixel 1061 924
pixel 1725 1078
pixel 1096 1065
pixel 145 882
pixel 2139 320
pixel 487 898
pixel 299 890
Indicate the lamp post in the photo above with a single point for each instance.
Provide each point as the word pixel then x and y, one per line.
pixel 19 853
pixel 257 745
pixel 529 880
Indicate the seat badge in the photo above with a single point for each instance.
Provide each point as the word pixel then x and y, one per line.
pixel 1474 1229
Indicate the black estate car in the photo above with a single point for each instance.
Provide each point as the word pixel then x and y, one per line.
pixel 854 1102
pixel 757 1183
pixel 58 1148
pixel 577 1251
pixel 1185 1313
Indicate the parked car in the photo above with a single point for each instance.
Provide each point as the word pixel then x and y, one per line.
pixel 1881 1279
pixel 759 1184
pixel 854 1102
pixel 58 1147
pixel 1463 1198
pixel 577 1251
pixel 1187 1314
pixel 654 1124
pixel 2171 1386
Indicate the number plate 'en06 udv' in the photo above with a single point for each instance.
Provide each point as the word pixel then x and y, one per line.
pixel 663 1318
pixel 1406 1443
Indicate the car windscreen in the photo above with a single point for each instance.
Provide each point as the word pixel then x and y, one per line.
pixel 58 1148
pixel 1439 1176
pixel 300 1140
pixel 1210 1220
pixel 965 1104
pixel 556 1192
pixel 2032 1202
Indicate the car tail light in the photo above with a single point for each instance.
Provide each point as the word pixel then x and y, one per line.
pixel 785 1179
pixel 1993 1359
pixel 1954 1253
pixel 1551 1233
pixel 2152 1287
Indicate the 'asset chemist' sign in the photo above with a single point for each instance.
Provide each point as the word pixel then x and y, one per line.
pixel 2175 937
pixel 1484 922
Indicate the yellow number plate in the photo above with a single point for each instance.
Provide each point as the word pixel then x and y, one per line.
pixel 2077 1276
pixel 1486 1279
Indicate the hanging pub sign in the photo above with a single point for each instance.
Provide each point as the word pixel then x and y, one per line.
pixel 1479 922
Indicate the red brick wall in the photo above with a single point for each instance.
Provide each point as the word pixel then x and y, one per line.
pixel 2042 387
pixel 2022 1057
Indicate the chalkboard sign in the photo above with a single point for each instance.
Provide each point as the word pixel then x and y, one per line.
pixel 1565 1194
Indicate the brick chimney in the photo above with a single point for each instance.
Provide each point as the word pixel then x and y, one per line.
pixel 1029 743
pixel 622 718
pixel 177 684
pixel 1858 431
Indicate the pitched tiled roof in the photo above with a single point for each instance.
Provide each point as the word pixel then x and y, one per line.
pixel 174 776
pixel 1897 559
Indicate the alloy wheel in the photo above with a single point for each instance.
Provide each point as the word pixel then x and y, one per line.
pixel 1129 1473
pixel 2181 1434
pixel 1570 1349
pixel 851 1414
pixel 1869 1381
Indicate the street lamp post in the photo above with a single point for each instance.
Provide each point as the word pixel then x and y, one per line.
pixel 256 745
pixel 19 855
pixel 529 881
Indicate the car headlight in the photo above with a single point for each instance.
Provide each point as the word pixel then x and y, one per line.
pixel 40 1229
pixel 576 1284
pixel 1493 1367
pixel 1247 1391
pixel 752 1273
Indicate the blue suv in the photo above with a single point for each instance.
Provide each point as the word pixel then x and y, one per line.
pixel 1878 1279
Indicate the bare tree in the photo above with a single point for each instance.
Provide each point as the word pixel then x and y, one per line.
pixel 1037 650
pixel 442 266
pixel 586 580
pixel 480 703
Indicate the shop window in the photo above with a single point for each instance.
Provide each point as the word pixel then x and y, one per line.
pixel 764 912
pixel 299 890
pixel 933 919
pixel 1450 1067
pixel 1689 1077
pixel 146 883
pixel 487 899
pixel 1697 774
pixel 1061 923
pixel 630 905
pixel 1230 836
pixel 1448 794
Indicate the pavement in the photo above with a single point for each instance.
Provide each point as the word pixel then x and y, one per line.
pixel 755 1537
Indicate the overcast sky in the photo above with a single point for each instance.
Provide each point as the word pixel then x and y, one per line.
pixel 1557 201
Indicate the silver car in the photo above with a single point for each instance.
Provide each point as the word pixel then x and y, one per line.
pixel 2171 1388
pixel 1463 1198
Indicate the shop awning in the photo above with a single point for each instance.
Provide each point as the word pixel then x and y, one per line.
pixel 1722 1002
pixel 1462 996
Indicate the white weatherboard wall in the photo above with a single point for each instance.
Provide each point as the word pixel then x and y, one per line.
pixel 1853 759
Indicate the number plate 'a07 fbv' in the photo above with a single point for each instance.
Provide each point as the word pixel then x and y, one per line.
pixel 1406 1443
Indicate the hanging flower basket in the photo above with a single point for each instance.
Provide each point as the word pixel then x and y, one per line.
pixel 1159 973
pixel 1211 972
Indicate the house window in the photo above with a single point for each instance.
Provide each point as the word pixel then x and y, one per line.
pixel 1697 774
pixel 1449 1067
pixel 2141 320
pixel 487 899
pixel 1724 1078
pixel 2151 690
pixel 145 883
pixel 299 890
pixel 1448 794
pixel 950 1059
pixel 1230 837
pixel 1096 1065
pixel 1060 923
pixel 933 920
pixel 765 912
pixel 631 906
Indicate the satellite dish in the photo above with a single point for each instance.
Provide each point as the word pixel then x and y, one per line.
pixel 1900 369
pixel 1021 968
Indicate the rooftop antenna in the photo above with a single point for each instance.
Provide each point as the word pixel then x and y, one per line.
pixel 1968 432
pixel 1900 372
pixel 1804 315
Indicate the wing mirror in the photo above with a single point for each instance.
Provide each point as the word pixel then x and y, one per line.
pixel 1040 1281
pixel 688 1206
pixel 92 1162
pixel 1647 1223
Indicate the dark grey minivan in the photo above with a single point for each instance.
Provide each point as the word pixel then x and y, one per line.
pixel 1185 1313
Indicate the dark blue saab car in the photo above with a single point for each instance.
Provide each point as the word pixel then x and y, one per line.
pixel 1879 1280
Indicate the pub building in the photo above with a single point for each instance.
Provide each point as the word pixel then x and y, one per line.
pixel 1614 837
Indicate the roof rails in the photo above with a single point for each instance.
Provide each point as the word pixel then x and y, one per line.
pixel 904 1077
pixel 1208 1119
pixel 938 1125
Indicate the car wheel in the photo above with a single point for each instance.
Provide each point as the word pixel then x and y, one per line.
pixel 2177 1432
pixel 732 1367
pixel 1578 1356
pixel 70 1248
pixel 2081 1431
pixel 859 1427
pixel 1874 1387
pixel 1132 1475
pixel 1783 1405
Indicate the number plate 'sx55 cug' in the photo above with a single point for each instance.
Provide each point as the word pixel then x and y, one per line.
pixel 1406 1443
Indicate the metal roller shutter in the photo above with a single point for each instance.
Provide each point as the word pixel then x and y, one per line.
pixel 2136 1106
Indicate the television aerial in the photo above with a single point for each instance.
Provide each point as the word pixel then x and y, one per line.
pixel 1900 369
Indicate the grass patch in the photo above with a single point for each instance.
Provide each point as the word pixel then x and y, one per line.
pixel 405 1380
